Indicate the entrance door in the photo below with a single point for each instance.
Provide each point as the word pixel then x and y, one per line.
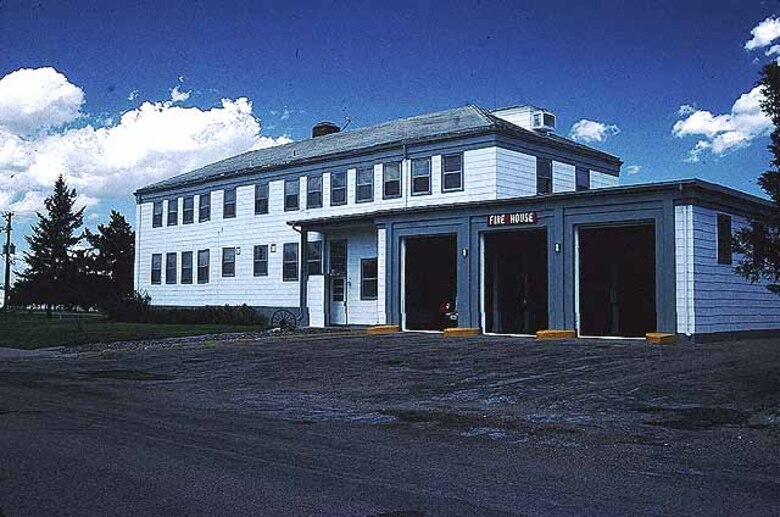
pixel 338 282
pixel 430 286
pixel 617 280
pixel 515 282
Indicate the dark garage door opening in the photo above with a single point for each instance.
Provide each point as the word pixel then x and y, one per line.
pixel 617 281
pixel 431 281
pixel 515 277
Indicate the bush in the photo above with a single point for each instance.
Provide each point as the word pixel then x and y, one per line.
pixel 138 309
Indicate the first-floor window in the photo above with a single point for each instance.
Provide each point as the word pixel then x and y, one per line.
pixel 156 268
pixel 452 172
pixel 170 268
pixel 203 266
pixel 314 258
pixel 543 175
pixel 290 262
pixel 186 267
pixel 368 279
pixel 261 260
pixel 724 239
pixel 228 261
pixel 421 176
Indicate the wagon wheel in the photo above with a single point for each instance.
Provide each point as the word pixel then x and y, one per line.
pixel 284 320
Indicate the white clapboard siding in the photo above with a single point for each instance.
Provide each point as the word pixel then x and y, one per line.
pixel 515 174
pixel 563 177
pixel 723 300
pixel 684 269
pixel 381 245
pixel 602 180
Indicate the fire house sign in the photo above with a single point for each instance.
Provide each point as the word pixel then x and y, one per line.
pixel 512 218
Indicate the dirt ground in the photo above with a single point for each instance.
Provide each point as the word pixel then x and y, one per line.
pixel 398 425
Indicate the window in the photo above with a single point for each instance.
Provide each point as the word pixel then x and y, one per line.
pixel 261 198
pixel 724 239
pixel 170 268
pixel 338 188
pixel 543 176
pixel 261 260
pixel 314 192
pixel 365 186
pixel 292 189
pixel 314 258
pixel 186 267
pixel 392 180
pixel 421 176
pixel 157 212
pixel 229 204
pixel 188 211
pixel 228 262
pixel 204 209
pixel 156 268
pixel 203 266
pixel 290 262
pixel 173 212
pixel 451 172
pixel 368 279
pixel 583 178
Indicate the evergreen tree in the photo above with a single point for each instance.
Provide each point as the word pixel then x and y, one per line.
pixel 113 253
pixel 52 275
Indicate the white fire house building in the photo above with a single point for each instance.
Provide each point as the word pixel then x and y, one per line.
pixel 464 218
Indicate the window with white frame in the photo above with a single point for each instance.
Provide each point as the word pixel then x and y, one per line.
pixel 186 267
pixel 314 258
pixel 188 210
pixel 338 188
pixel 391 180
pixel 204 207
pixel 157 214
pixel 543 175
pixel 452 172
pixel 156 268
pixel 229 204
pixel 368 279
pixel 421 176
pixel 203 266
pixel 261 260
pixel 173 212
pixel 228 262
pixel 365 185
pixel 261 198
pixel 314 192
pixel 290 262
pixel 170 268
pixel 292 189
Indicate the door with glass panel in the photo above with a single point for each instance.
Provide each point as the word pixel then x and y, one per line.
pixel 338 282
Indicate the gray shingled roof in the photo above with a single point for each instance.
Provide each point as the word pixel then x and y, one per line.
pixel 458 121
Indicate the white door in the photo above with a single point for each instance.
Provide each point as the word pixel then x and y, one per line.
pixel 338 282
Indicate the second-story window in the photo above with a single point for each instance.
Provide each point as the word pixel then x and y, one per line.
pixel 188 210
pixel 365 185
pixel 203 266
pixel 292 189
pixel 173 212
pixel 170 268
pixel 338 188
pixel 543 175
pixel 228 262
pixel 452 172
pixel 229 204
pixel 157 214
pixel 314 192
pixel 204 207
pixel 392 180
pixel 186 267
pixel 582 179
pixel 421 176
pixel 261 198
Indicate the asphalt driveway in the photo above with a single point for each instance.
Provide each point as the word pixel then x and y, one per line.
pixel 399 425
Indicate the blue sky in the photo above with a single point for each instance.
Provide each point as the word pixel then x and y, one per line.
pixel 627 67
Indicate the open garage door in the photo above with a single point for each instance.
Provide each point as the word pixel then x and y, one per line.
pixel 617 281
pixel 515 282
pixel 431 278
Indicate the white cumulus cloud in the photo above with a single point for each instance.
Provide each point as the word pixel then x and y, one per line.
pixel 764 33
pixel 633 169
pixel 590 131
pixel 178 95
pixel 720 134
pixel 151 142
pixel 37 98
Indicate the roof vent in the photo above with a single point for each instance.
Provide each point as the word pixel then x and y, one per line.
pixel 324 128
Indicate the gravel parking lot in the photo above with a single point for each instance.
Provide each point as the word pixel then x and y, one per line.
pixel 397 425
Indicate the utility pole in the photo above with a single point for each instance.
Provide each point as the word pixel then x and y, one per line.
pixel 7 250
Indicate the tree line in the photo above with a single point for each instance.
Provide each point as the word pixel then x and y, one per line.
pixel 69 266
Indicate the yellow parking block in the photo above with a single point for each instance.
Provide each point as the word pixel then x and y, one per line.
pixel 462 332
pixel 383 329
pixel 659 338
pixel 556 334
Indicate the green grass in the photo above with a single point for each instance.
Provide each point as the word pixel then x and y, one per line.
pixel 30 331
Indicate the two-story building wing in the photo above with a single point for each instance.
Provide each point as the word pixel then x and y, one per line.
pixel 466 217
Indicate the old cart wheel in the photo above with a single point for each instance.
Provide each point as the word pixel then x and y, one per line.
pixel 284 320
